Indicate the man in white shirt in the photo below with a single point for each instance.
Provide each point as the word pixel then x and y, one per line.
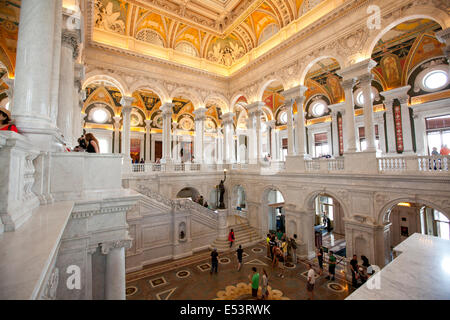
pixel 310 282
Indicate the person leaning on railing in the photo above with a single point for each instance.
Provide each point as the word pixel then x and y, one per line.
pixel 6 121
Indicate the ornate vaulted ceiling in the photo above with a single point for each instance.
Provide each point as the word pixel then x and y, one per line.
pixel 221 31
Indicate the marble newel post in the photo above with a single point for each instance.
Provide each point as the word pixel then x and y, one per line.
pixel 369 127
pixel 228 142
pixel 69 53
pixel 199 134
pixel 126 127
pixel 349 121
pixel 115 268
pixel 166 109
pixel 148 128
pixel 34 70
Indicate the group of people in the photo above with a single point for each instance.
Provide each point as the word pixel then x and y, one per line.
pixel 360 273
pixel 87 143
pixel 445 151
pixel 280 248
pixel 201 201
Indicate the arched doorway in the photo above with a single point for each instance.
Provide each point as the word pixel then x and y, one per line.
pixel 188 192
pixel 329 229
pixel 407 218
pixel 273 211
pixel 239 199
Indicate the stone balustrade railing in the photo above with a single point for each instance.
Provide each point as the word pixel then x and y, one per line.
pixel 390 164
pixel 415 164
pixel 324 165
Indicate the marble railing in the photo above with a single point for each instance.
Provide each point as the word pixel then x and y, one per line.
pixel 178 204
pixel 151 168
pixel 415 164
pixel 17 176
pixel 324 165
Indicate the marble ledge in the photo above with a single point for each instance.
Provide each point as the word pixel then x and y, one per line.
pixel 420 272
pixel 26 254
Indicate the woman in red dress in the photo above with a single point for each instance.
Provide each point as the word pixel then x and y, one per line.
pixel 5 119
pixel 231 237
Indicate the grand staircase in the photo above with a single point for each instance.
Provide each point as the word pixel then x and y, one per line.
pixel 244 235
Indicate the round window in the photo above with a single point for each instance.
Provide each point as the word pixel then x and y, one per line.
pixel 318 108
pixel 283 117
pixel 100 116
pixel 435 80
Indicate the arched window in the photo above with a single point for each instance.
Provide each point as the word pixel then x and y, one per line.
pixel 187 49
pixel 269 31
pixel 150 36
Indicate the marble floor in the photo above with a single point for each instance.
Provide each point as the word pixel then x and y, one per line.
pixel 190 279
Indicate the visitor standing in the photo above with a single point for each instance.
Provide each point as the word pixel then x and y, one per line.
pixel 255 282
pixel 214 261
pixel 444 150
pixel 264 285
pixel 293 242
pixel 268 245
pixel 311 281
pixel 284 248
pixel 320 259
pixel 354 269
pixel 231 237
pixel 92 144
pixel 239 253
pixel 272 244
pixel 331 266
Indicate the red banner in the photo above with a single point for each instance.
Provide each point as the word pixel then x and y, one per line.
pixel 340 134
pixel 398 128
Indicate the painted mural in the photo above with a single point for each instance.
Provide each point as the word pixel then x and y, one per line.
pixel 225 51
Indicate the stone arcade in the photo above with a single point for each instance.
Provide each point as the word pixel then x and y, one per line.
pixel 308 110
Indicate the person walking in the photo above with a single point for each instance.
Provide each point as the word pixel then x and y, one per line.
pixel 311 281
pixel 255 282
pixel 239 253
pixel 278 257
pixel 231 237
pixel 264 285
pixel 272 244
pixel 293 242
pixel 320 259
pixel 331 266
pixel 214 261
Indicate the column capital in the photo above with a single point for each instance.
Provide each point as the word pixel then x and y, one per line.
pixel 106 247
pixel 356 70
pixel 166 108
pixel 348 84
pixel 397 93
pixel 228 118
pixel 272 124
pixel 295 92
pixel 444 36
pixel 365 79
pixel 148 123
pixel 200 114
pixel 71 39
pixel 117 122
pixel 126 101
pixel 254 107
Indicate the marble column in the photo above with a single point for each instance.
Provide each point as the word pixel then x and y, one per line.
pixel 381 135
pixel 290 125
pixel 54 91
pixel 349 121
pixel 406 122
pixel 34 71
pixel 255 112
pixel 79 97
pixel 369 126
pixel 421 135
pixel 301 128
pixel 251 139
pixel 148 128
pixel 166 109
pixel 199 142
pixel 390 128
pixel 335 134
pixel 69 53
pixel 228 143
pixel 175 142
pixel 126 127
pixel 115 269
pixel 272 139
pixel 10 91
pixel 116 134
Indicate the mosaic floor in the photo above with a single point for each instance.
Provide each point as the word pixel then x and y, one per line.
pixel 190 279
